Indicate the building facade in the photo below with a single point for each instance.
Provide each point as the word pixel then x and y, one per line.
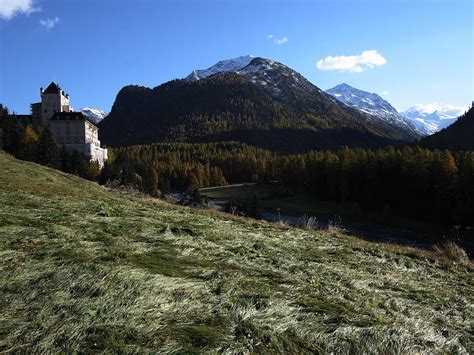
pixel 71 129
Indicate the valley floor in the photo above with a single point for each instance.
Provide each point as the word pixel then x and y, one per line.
pixel 293 208
pixel 86 269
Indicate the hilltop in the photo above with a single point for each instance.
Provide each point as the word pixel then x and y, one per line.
pixel 86 269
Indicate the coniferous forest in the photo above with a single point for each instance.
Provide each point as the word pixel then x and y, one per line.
pixel 430 185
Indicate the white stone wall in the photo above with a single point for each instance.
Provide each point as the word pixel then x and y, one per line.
pixel 79 135
pixel 68 132
pixel 91 134
pixel 52 103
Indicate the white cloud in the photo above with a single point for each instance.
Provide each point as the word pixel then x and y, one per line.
pixel 49 23
pixel 352 63
pixel 277 40
pixel 449 110
pixel 385 93
pixel 10 8
pixel 280 40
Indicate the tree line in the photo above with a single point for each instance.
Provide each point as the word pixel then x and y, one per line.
pixel 423 184
pixel 426 185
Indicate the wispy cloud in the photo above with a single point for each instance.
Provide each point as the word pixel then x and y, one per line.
pixel 10 8
pixel 353 63
pixel 281 40
pixel 277 40
pixel 49 23
pixel 385 93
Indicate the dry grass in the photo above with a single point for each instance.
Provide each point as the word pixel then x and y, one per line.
pixel 452 253
pixel 83 269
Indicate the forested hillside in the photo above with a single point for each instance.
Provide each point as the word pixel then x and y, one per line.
pixel 230 107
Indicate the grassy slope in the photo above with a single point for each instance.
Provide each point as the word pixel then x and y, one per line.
pixel 85 268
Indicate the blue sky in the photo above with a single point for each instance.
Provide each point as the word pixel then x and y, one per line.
pixel 423 48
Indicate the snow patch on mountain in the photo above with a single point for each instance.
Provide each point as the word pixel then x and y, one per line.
pixel 371 104
pixel 269 74
pixel 431 118
pixel 224 66
pixel 289 87
pixel 95 114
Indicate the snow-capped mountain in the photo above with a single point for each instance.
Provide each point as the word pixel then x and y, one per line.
pixel 370 104
pixel 250 99
pixel 278 80
pixel 95 114
pixel 291 88
pixel 224 66
pixel 431 118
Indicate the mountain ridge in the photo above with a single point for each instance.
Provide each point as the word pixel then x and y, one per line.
pixel 94 113
pixel 374 106
pixel 432 118
pixel 457 136
pixel 264 95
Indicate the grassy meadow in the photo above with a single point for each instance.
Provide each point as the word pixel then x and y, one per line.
pixel 275 196
pixel 86 269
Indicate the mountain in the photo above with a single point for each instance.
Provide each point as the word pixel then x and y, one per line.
pixel 84 267
pixel 263 103
pixel 458 136
pixel 429 119
pixel 224 66
pixel 95 114
pixel 374 107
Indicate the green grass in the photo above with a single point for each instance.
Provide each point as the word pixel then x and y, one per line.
pixel 274 196
pixel 86 269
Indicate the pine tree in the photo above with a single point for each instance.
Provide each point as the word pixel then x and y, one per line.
pixel 164 184
pixel 193 183
pixel 48 153
pixel 28 144
pixel 151 182
pixel 65 159
pixel 255 210
pixel 91 170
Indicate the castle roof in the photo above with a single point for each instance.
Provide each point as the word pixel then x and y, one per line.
pixel 53 88
pixel 71 116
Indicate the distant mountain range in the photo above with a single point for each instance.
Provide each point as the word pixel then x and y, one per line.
pixel 429 119
pixel 458 136
pixel 95 114
pixel 373 106
pixel 262 102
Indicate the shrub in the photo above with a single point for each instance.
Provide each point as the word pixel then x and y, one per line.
pixel 308 222
pixel 452 253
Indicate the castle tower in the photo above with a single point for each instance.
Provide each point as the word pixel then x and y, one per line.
pixel 53 100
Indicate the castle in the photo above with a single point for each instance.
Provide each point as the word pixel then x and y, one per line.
pixel 72 129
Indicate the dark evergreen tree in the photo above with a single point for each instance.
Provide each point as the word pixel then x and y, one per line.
pixel 255 208
pixel 48 153
pixel 164 184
